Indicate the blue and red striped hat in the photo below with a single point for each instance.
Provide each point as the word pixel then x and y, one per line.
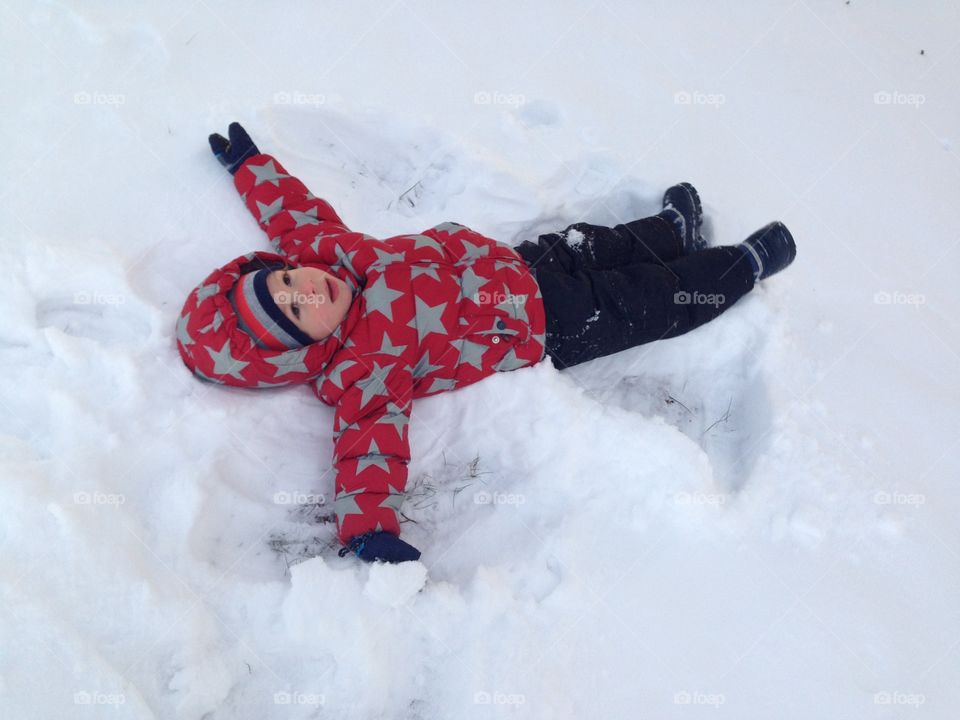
pixel 260 318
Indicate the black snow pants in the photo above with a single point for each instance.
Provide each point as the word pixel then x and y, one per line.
pixel 610 289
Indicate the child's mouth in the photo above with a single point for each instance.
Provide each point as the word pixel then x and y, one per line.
pixel 331 290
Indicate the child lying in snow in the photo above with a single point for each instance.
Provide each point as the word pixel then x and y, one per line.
pixel 372 324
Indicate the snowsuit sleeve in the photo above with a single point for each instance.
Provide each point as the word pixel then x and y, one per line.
pixel 300 226
pixel 371 451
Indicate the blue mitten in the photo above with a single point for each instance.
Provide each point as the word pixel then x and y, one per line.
pixel 231 153
pixel 380 546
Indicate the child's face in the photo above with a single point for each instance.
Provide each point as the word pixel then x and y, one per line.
pixel 314 300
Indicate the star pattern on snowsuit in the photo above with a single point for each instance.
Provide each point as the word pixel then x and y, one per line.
pixel 182 335
pixel 427 319
pixel 291 361
pixel 268 211
pixel 375 384
pixel 373 458
pixel 267 173
pixel 308 217
pixel 423 368
pixel 335 375
pixel 224 363
pixel 379 297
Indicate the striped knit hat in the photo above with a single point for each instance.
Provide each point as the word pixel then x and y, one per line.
pixel 260 318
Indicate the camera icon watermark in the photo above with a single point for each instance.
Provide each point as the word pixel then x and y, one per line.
pixel 83 97
pixel 485 497
pixel 86 697
pixel 296 97
pixel 896 697
pixel 883 497
pixel 697 97
pixel 99 498
pixel 898 297
pixel 894 97
pixel 295 497
pixel 695 697
pixel 283 697
pixel 700 498
pixel 698 298
pixel 85 297
pixel 494 97
pixel 496 697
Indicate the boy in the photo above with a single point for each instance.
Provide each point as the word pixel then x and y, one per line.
pixel 372 324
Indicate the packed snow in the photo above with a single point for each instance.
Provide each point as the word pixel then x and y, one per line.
pixel 758 519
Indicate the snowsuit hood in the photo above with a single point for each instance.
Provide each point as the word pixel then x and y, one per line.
pixel 216 349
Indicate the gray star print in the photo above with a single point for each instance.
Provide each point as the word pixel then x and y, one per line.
pixel 205 291
pixel 336 374
pixel 182 335
pixel 289 362
pixel 374 384
pixel 224 362
pixel 470 284
pixel 268 211
pixel 472 354
pixel 380 297
pixel 388 348
pixel 267 173
pixel 385 258
pixel 430 270
pixel 439 384
pixel 474 251
pixel 305 218
pixel 427 319
pixel 509 362
pixel 394 501
pixel 396 417
pixel 423 367
pixel 374 457
pixel 346 504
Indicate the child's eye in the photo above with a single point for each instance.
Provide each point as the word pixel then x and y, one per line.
pixel 296 312
pixel 286 278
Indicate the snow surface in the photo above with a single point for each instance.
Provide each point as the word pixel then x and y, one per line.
pixel 755 520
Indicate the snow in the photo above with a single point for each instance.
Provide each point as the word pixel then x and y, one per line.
pixel 757 519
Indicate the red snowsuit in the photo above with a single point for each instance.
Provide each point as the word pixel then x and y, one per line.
pixel 430 312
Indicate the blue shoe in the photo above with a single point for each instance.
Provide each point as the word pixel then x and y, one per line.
pixel 769 250
pixel 681 205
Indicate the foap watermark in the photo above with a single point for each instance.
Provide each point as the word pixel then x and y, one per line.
pixel 483 297
pixel 494 97
pixel 296 97
pixel 896 697
pixel 82 97
pixel 695 697
pixel 883 497
pixel 700 498
pixel 698 298
pixel 99 498
pixel 496 697
pixel 894 97
pixel 85 697
pixel 295 497
pixel 300 298
pixel 85 297
pixel 282 697
pixel 485 497
pixel 899 297
pixel 697 97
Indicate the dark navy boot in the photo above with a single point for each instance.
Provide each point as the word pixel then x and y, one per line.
pixel 681 205
pixel 769 250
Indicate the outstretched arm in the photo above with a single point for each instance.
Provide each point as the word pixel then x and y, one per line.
pixel 371 452
pixel 283 206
